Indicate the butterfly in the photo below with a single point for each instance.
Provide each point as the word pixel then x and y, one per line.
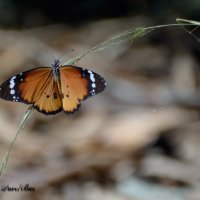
pixel 53 89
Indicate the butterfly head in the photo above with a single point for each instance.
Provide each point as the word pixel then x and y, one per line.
pixel 56 64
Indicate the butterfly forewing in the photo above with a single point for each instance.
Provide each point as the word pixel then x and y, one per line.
pixel 78 84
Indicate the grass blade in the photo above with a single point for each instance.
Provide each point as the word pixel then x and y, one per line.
pixel 126 36
pixel 187 22
pixel 22 125
pixel 129 35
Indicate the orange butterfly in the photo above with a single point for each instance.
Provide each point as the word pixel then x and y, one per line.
pixel 53 89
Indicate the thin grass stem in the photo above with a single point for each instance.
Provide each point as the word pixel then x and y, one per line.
pixel 25 119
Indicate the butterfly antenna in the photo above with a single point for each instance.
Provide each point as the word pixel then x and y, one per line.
pixel 51 55
pixel 59 57
pixel 65 53
pixel 56 59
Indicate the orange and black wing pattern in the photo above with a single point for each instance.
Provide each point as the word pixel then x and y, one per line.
pixel 51 90
pixel 36 87
pixel 78 84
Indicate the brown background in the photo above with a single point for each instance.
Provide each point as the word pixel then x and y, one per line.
pixel 139 139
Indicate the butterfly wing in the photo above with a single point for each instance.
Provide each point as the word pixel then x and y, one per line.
pixel 36 87
pixel 78 84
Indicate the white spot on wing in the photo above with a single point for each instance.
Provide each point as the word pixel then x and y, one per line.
pixel 93 85
pixel 12 92
pixel 91 76
pixel 12 82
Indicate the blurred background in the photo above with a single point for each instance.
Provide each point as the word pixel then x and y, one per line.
pixel 140 138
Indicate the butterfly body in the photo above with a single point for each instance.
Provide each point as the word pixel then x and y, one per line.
pixel 53 89
pixel 56 73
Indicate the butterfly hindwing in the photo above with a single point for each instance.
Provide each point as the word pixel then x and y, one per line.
pixel 35 87
pixel 78 84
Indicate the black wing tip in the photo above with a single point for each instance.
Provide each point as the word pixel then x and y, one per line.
pixel 96 83
pixel 103 84
pixel 9 89
pixel 100 86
